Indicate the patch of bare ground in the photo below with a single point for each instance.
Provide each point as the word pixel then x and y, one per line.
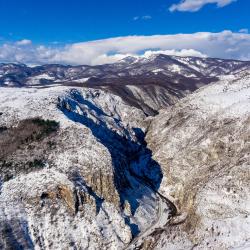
pixel 23 147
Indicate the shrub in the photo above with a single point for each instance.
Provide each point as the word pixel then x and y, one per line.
pixel 48 126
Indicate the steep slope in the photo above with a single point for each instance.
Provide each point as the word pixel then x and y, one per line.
pixel 202 145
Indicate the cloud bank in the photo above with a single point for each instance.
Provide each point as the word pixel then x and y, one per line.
pixel 195 5
pixel 225 44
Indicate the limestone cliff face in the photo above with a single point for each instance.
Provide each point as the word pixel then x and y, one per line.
pixel 96 188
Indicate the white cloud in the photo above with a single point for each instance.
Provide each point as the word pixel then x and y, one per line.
pixel 243 31
pixel 225 44
pixel 195 5
pixel 24 42
pixel 173 52
pixel 146 17
pixel 114 58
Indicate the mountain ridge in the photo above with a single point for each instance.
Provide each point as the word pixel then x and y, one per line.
pixel 149 83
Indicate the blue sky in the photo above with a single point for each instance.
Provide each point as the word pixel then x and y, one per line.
pixel 47 21
pixel 59 23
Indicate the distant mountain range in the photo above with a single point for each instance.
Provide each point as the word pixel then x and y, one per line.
pixel 148 83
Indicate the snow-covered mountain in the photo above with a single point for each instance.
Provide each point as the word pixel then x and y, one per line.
pixel 149 83
pixel 153 66
pixel 83 165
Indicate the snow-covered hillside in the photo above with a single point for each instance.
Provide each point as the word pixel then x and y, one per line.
pixel 203 147
pixel 146 82
pixel 81 185
pixel 84 166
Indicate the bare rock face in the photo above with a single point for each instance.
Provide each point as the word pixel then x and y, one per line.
pixel 203 145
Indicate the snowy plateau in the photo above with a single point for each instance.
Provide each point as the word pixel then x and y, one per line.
pixel 146 153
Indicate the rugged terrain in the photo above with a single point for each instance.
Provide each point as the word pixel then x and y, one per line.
pixel 115 156
pixel 147 83
pixel 203 147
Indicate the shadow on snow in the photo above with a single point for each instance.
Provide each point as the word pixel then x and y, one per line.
pixel 131 159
